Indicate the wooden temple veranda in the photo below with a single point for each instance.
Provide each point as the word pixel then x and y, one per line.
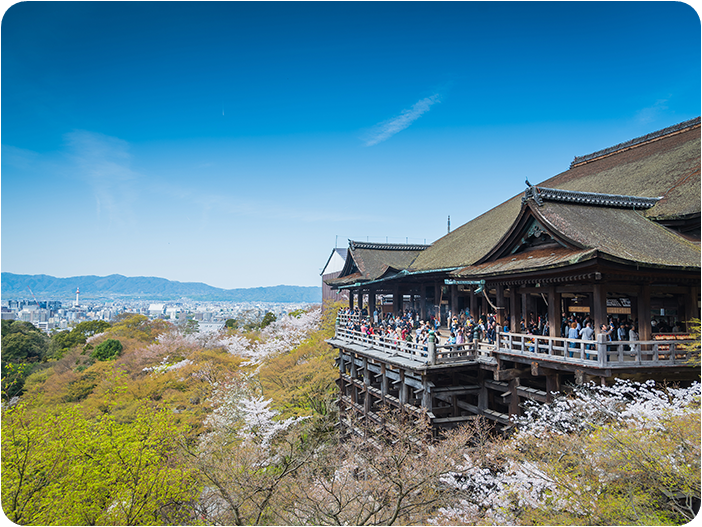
pixel 615 236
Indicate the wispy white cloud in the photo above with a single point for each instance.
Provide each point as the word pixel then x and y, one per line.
pixel 387 129
pixel 651 113
pixel 103 162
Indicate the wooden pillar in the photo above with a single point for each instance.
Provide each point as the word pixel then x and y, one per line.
pixel 366 383
pixel 514 309
pixel 553 384
pixel 523 301
pixel 423 302
pixel 500 304
pixel 371 303
pixel 350 300
pixel 692 310
pixel 403 390
pixel 554 312
pixel 599 306
pixel 514 397
pixel 483 393
pixel 354 388
pixel 454 300
pixel 644 312
pixel 384 387
pixel 474 305
pixel 437 300
pixel 426 394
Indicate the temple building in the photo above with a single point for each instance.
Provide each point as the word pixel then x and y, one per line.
pixel 616 237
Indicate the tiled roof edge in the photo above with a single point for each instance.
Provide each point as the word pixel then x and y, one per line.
pixel 387 246
pixel 540 194
pixel 579 160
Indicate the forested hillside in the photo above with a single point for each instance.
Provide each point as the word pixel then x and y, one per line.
pixel 137 422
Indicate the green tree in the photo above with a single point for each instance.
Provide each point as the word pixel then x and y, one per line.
pixel 13 379
pixel 694 348
pixel 65 340
pixel 23 342
pixel 23 346
pixel 231 323
pixel 268 319
pixel 62 468
pixel 107 350
pixel 138 327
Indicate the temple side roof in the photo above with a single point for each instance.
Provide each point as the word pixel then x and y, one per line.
pixel 663 165
pixel 539 260
pixel 369 261
pixel 625 234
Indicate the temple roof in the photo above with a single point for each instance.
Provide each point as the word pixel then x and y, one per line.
pixel 539 260
pixel 370 261
pixel 663 167
pixel 584 232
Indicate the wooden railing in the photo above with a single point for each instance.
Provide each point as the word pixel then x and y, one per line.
pixel 425 353
pixel 590 353
pixel 596 353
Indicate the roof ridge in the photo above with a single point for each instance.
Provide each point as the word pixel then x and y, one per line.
pixel 691 123
pixel 540 194
pixel 387 246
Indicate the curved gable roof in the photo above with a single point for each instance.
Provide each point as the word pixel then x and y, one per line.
pixel 665 165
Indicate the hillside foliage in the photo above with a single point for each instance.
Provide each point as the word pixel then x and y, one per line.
pixel 238 428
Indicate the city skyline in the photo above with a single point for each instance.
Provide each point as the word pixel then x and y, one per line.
pixel 235 144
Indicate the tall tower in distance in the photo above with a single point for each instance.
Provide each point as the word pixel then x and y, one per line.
pixel 77 294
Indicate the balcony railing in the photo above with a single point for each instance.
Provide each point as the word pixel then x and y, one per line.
pixel 597 353
pixel 583 353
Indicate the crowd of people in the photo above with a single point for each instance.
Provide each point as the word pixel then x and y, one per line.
pixel 460 329
pixel 463 328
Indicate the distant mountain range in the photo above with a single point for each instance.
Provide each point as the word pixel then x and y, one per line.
pixel 44 287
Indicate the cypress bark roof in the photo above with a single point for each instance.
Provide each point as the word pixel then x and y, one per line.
pixel 370 261
pixel 664 164
pixel 590 231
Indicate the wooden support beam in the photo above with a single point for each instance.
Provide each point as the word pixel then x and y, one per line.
pixel 509 374
pixel 579 377
pixel 514 398
pixel 515 309
pixel 554 312
pixel 451 420
pixel 456 390
pixel 383 381
pixel 599 306
pixel 644 312
pixel 532 393
pixel 403 389
pixel 500 302
pixel 483 393
pixel 496 385
pixel 553 384
pixel 426 395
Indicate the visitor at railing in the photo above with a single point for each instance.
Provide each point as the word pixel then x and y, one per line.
pixel 587 333
pixel 459 336
pixel 633 335
pixel 573 334
pixel 621 332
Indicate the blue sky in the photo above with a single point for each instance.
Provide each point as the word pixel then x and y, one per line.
pixel 235 143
